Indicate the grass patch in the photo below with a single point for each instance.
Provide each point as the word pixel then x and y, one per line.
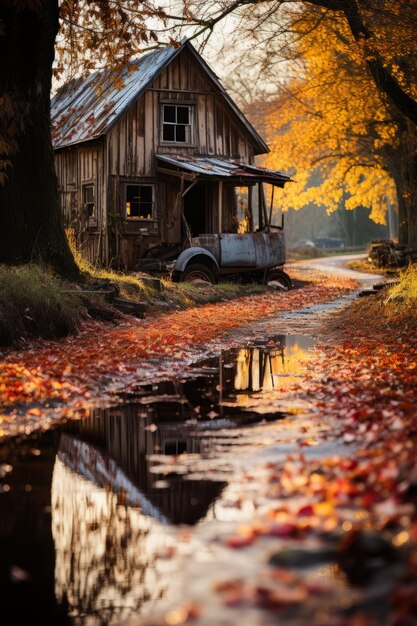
pixel 391 309
pixel 405 289
pixel 131 287
pixel 363 265
pixel 138 287
pixel 34 303
pixel 173 295
pixel 187 294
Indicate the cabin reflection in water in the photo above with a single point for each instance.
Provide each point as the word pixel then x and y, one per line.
pixel 265 369
pixel 109 520
pixel 105 565
pixel 94 548
pixel 172 418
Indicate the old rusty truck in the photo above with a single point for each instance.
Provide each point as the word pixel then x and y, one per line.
pixel 237 237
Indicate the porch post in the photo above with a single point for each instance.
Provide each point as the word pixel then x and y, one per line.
pixel 220 205
pixel 250 208
pixel 260 207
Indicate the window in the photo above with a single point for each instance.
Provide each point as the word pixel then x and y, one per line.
pixel 176 123
pixel 88 200
pixel 139 202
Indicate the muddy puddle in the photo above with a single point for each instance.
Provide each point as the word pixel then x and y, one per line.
pixel 87 509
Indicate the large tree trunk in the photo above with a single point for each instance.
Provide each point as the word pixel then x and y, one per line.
pixel 409 176
pixel 403 167
pixel 31 228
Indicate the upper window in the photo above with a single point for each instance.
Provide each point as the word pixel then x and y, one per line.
pixel 89 200
pixel 176 123
pixel 139 202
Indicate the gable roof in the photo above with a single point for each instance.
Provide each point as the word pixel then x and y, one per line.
pixel 87 108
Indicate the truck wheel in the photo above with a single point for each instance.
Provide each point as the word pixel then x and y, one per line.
pixel 280 277
pixel 198 271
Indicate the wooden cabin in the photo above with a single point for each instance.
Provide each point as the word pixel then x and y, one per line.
pixel 125 156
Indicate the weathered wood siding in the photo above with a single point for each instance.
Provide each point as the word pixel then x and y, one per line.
pixel 75 167
pixel 127 155
pixel 135 140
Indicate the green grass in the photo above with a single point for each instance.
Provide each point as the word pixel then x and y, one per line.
pixel 173 295
pixel 137 286
pixel 131 287
pixel 34 303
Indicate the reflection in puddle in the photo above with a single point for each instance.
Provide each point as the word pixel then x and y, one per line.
pixel 260 369
pixel 97 500
pixel 264 369
pixel 105 551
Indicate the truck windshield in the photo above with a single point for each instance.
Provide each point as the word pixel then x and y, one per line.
pixel 273 203
pixel 242 216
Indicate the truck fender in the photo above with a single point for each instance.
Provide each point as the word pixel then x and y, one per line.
pixel 186 255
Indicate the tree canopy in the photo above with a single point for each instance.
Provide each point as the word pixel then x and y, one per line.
pixel 346 101
pixel 330 123
pixel 384 32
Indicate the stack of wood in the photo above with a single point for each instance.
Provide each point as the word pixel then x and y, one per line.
pixel 386 254
pixel 377 288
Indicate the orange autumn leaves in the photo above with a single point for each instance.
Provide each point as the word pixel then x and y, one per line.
pixel 20 384
pixel 103 360
pixel 366 392
pixel 354 507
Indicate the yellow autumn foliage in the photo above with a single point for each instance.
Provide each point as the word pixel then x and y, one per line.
pixel 329 125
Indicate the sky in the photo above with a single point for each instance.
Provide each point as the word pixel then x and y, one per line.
pixel 222 51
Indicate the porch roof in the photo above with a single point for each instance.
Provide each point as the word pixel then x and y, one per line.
pixel 220 169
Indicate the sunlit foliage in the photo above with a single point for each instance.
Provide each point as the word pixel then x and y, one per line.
pixel 406 288
pixel 382 33
pixel 350 67
pixel 331 125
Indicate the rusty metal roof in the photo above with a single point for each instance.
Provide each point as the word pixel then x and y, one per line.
pixel 85 109
pixel 222 168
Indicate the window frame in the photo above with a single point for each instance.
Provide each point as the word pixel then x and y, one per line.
pixel 191 117
pixel 134 183
pixel 84 186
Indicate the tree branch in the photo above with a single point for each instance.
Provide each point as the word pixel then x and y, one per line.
pixel 382 77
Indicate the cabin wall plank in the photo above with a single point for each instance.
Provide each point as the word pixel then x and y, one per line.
pixel 210 123
pixel 201 123
pixel 149 134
